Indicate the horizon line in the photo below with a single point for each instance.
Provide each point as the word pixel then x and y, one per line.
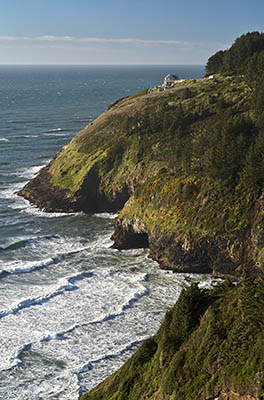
pixel 99 64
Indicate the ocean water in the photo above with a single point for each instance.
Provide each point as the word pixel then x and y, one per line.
pixel 72 309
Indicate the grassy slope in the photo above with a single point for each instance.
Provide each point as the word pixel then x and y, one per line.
pixel 210 341
pixel 130 141
pixel 178 156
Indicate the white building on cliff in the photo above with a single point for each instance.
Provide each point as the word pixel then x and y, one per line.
pixel 169 80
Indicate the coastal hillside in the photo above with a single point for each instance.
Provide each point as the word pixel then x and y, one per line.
pixel 185 169
pixel 209 347
pixel 208 210
pixel 184 166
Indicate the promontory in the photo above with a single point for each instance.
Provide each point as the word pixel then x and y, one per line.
pixel 184 167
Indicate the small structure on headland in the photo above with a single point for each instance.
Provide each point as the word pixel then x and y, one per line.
pixel 169 80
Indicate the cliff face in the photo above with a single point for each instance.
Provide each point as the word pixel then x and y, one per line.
pixel 178 165
pixel 214 230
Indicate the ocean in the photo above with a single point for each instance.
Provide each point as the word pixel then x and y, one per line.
pixel 72 309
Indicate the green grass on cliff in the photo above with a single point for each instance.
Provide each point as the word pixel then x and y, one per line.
pixel 210 341
pixel 176 200
pixel 71 167
pixel 194 206
pixel 147 129
pixel 191 159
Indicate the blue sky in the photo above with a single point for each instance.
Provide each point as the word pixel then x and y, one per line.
pixel 122 31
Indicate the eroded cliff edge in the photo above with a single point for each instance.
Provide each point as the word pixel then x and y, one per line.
pixel 179 165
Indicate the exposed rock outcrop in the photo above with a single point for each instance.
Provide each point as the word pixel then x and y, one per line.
pixel 174 253
pixel 41 192
pixel 130 236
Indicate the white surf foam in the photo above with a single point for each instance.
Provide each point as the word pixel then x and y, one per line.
pixel 106 215
pixel 35 211
pixel 25 173
pixel 10 191
pixel 20 267
pixel 29 172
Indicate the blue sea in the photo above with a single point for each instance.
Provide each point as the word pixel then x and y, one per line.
pixel 72 309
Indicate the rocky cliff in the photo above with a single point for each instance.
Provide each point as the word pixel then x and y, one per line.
pixel 180 165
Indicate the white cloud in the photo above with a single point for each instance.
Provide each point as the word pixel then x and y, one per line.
pixel 52 38
pixel 97 40
pixel 52 49
pixel 9 38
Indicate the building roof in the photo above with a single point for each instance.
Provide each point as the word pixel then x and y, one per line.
pixel 170 77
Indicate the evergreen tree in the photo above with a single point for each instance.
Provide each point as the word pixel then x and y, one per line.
pixel 252 175
pixel 237 59
pixel 215 63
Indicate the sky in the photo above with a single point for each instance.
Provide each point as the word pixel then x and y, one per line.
pixel 122 31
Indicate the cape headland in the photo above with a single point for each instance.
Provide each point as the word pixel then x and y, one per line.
pixel 185 169
pixel 174 163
